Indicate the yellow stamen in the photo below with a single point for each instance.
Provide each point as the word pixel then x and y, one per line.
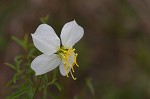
pixel 75 59
pixel 72 68
pixel 73 76
pixel 65 55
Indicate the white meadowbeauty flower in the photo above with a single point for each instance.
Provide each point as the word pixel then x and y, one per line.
pixel 56 52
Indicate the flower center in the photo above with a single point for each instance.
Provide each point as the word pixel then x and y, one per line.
pixel 69 58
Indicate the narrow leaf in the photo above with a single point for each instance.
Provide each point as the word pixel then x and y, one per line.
pixel 90 85
pixel 57 85
pixel 18 41
pixel 17 94
pixel 11 66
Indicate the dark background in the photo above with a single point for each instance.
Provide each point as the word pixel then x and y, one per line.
pixel 114 52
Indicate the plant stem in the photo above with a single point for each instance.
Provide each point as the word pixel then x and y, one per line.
pixel 37 88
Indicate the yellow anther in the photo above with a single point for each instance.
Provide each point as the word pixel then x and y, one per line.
pixel 72 68
pixel 67 75
pixel 72 50
pixel 75 60
pixel 73 76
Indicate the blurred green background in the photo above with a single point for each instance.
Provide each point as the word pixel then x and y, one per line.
pixel 114 54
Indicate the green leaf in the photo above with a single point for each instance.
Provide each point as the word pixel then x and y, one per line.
pixel 45 86
pixel 29 92
pixel 10 82
pixel 58 86
pixel 23 43
pixel 90 85
pixel 54 74
pixel 53 77
pixel 18 61
pixel 17 94
pixel 44 19
pixel 11 66
pixel 14 78
pixel 18 41
pixel 26 41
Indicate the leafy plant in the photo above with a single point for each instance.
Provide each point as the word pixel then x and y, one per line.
pixel 24 83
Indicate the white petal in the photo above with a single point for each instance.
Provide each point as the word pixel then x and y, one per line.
pixel 62 69
pixel 45 63
pixel 45 39
pixel 61 66
pixel 71 33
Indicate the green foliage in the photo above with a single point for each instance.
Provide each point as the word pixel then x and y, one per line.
pixel 44 19
pixel 23 43
pixel 17 94
pixel 24 83
pixel 90 85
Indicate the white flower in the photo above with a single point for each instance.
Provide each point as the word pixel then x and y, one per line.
pixel 54 53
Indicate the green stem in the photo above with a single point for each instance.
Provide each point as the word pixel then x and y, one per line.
pixel 45 86
pixel 37 88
